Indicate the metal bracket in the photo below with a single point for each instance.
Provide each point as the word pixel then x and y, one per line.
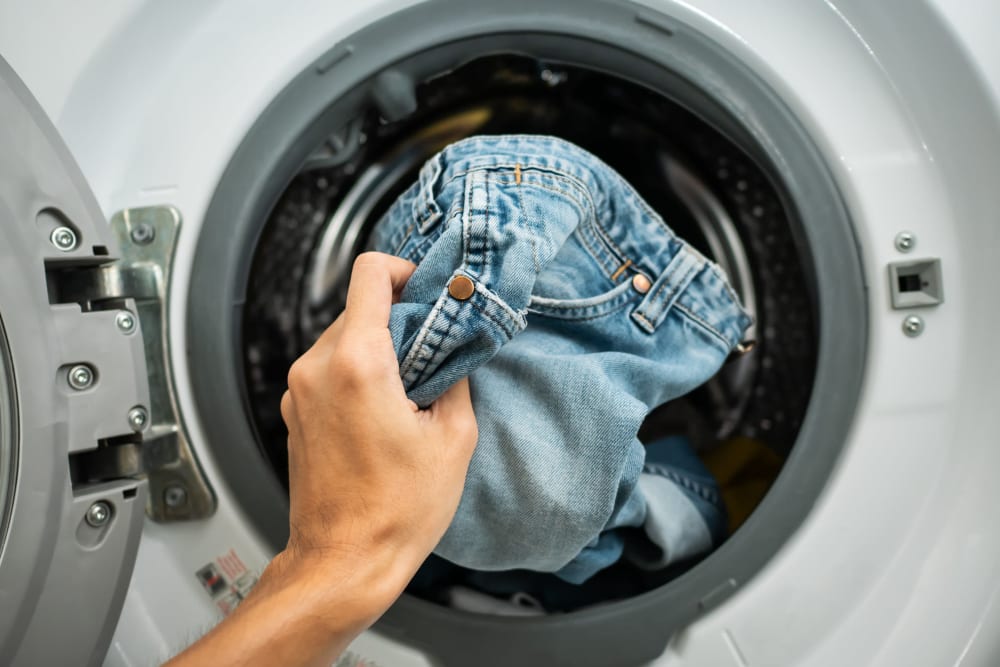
pixel 178 488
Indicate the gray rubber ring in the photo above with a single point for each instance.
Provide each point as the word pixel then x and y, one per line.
pixel 613 36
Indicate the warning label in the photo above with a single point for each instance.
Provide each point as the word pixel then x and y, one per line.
pixel 227 581
pixel 351 659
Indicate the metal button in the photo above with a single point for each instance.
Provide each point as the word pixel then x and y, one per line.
pixel 461 288
pixel 641 283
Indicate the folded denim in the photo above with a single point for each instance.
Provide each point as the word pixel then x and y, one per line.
pixel 573 308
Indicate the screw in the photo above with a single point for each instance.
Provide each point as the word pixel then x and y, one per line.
pixel 905 241
pixel 98 514
pixel 125 321
pixel 80 377
pixel 142 233
pixel 63 238
pixel 138 417
pixel 175 495
pixel 913 326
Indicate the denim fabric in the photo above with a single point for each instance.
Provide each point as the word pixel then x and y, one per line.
pixel 673 457
pixel 566 353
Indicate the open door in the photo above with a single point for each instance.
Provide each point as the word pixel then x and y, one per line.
pixel 74 402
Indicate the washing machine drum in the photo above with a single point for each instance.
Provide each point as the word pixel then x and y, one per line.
pixel 703 139
pixel 73 400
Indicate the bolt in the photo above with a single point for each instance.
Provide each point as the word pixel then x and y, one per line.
pixel 63 238
pixel 125 321
pixel 138 417
pixel 905 241
pixel 175 495
pixel 98 514
pixel 80 377
pixel 142 233
pixel 913 326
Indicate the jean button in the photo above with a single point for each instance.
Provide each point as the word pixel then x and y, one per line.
pixel 641 283
pixel 461 288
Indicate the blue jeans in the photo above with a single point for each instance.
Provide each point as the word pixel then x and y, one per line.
pixel 573 308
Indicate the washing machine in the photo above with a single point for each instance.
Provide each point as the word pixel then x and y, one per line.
pixel 183 187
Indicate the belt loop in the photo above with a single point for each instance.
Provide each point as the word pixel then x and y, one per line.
pixel 425 210
pixel 671 282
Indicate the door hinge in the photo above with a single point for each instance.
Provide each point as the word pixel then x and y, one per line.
pixel 137 286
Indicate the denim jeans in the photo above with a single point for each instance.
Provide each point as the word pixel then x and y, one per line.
pixel 574 309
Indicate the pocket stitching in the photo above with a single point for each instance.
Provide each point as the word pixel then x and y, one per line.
pixel 573 309
pixel 703 324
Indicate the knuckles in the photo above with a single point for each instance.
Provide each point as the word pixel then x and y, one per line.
pixel 301 376
pixel 344 368
pixel 369 258
pixel 347 365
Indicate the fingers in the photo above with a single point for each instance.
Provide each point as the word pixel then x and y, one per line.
pixel 376 282
pixel 453 411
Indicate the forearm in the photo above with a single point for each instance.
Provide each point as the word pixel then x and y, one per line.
pixel 373 484
pixel 300 613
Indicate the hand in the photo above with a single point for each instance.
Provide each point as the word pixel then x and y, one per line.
pixel 371 477
pixel 373 484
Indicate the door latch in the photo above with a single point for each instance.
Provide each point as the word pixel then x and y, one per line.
pixel 159 449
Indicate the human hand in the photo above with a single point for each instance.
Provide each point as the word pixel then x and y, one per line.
pixel 373 480
pixel 373 484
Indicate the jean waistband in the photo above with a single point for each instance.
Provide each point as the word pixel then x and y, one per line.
pixel 631 234
pixel 640 237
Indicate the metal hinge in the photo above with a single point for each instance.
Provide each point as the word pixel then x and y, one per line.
pixel 178 489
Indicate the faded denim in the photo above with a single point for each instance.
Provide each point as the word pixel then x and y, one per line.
pixel 566 351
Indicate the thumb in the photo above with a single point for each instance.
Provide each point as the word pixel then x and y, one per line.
pixel 452 413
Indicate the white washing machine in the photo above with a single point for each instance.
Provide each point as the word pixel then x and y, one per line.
pixel 839 158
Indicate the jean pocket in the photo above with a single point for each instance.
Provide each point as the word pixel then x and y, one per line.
pixel 590 307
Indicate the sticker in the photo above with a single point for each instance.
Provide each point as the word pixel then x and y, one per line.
pixel 352 659
pixel 227 581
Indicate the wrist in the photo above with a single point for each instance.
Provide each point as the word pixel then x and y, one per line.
pixel 303 611
pixel 347 592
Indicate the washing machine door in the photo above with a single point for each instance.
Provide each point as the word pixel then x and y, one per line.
pixel 73 397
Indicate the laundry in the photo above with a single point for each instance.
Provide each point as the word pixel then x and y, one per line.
pixel 453 586
pixel 744 470
pixel 575 310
